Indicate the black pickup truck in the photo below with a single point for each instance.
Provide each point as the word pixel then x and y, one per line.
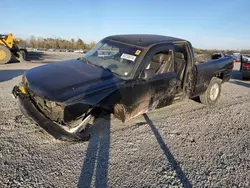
pixel 126 75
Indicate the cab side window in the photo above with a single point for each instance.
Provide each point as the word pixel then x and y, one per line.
pixel 162 62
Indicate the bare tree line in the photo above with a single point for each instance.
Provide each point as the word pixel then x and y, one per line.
pixel 59 43
pixel 56 43
pixel 212 51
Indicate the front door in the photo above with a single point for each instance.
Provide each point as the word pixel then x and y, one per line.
pixel 163 89
pixel 145 94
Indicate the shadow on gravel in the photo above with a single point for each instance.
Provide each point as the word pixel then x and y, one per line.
pixel 6 75
pixel 237 79
pixel 44 57
pixel 96 160
pixel 97 156
pixel 236 75
pixel 174 164
pixel 241 83
pixel 31 56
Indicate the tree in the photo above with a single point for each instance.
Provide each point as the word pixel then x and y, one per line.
pixel 92 44
pixel 58 43
pixel 80 44
pixel 32 41
pixel 72 43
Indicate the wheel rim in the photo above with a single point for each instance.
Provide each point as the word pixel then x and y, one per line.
pixel 214 92
pixel 2 55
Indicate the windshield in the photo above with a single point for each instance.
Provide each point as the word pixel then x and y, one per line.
pixel 114 56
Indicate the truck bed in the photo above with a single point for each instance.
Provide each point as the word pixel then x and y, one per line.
pixel 205 71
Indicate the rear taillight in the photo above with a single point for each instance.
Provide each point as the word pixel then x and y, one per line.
pixel 246 65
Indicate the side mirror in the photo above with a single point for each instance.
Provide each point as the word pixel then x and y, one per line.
pixel 147 74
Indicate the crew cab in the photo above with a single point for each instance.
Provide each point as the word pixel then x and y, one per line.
pixel 140 73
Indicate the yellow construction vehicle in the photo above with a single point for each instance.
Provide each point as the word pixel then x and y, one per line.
pixel 9 49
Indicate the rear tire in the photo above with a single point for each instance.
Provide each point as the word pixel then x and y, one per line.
pixel 212 94
pixel 5 55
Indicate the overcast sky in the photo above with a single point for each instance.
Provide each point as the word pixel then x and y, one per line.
pixel 223 24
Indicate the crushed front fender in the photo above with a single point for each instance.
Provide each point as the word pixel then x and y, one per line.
pixel 31 112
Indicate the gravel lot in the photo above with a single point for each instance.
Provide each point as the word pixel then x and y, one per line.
pixel 184 145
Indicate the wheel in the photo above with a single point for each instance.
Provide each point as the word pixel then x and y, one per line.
pixel 212 94
pixel 5 55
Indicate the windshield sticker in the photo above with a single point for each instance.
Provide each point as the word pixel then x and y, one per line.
pixel 128 57
pixel 137 52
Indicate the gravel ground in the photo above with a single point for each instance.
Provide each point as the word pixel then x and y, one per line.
pixel 183 145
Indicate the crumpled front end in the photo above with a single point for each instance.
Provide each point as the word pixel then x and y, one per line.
pixel 45 113
pixel 52 110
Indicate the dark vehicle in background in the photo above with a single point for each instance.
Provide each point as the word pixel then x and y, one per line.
pixel 139 74
pixel 245 66
pixel 218 56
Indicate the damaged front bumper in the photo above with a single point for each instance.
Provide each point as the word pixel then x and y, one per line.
pixel 29 110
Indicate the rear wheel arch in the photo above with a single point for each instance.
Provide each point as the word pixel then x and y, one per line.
pixel 219 75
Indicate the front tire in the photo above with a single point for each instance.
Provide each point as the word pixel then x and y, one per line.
pixel 212 94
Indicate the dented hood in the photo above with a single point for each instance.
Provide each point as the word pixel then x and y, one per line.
pixel 62 81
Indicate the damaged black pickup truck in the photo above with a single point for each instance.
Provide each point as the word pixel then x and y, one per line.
pixel 126 75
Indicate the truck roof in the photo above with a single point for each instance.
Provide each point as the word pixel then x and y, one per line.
pixel 143 40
